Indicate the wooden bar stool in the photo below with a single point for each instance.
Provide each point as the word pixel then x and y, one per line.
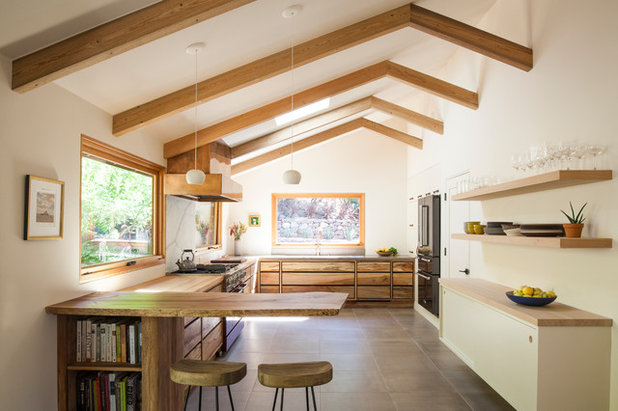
pixel 295 375
pixel 207 374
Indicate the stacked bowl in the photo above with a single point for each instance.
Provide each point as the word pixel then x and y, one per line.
pixel 495 227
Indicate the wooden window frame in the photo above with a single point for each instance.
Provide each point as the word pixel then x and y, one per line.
pixel 276 196
pixel 104 152
pixel 218 244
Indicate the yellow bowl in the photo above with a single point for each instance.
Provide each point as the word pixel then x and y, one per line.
pixel 471 225
pixel 479 228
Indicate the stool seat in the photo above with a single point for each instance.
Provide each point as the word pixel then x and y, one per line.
pixel 207 373
pixel 295 375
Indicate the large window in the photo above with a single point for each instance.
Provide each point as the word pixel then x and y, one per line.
pixel 330 219
pixel 121 209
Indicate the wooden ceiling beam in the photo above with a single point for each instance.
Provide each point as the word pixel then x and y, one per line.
pixel 301 127
pixel 113 38
pixel 324 136
pixel 393 133
pixel 269 111
pixel 433 85
pixel 410 116
pixel 261 69
pixel 299 145
pixel 471 38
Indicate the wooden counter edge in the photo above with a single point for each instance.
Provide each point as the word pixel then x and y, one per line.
pixel 512 309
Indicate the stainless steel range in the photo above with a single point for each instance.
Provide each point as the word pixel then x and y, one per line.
pixel 233 279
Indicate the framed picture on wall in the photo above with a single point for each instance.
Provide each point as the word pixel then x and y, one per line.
pixel 44 208
pixel 254 220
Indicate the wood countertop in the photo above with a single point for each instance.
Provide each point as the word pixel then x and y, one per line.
pixel 185 304
pixel 194 283
pixel 552 315
pixel 333 257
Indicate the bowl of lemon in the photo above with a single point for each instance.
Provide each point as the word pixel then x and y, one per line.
pixel 386 252
pixel 527 295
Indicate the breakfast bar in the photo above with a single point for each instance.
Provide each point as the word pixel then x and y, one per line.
pixel 161 316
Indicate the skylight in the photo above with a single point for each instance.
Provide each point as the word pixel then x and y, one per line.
pixel 302 112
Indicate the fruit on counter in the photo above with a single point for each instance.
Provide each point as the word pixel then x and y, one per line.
pixel 387 250
pixel 533 292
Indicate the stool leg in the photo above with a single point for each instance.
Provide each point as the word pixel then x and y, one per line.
pixel 229 392
pixel 187 397
pixel 315 407
pixel 217 396
pixel 281 408
pixel 275 401
pixel 307 397
pixel 200 403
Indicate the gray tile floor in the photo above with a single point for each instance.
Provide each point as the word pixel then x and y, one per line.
pixel 383 359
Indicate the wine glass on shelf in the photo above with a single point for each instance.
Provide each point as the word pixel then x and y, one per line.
pixel 517 163
pixel 579 152
pixel 596 151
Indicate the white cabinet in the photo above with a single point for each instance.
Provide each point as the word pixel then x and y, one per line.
pixel 533 367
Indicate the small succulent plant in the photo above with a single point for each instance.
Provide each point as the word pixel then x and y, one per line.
pixel 575 218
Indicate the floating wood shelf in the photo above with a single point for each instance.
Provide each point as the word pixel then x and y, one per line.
pixel 549 242
pixel 105 366
pixel 541 182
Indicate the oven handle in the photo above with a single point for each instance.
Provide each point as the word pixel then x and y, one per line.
pixel 240 289
pixel 426 277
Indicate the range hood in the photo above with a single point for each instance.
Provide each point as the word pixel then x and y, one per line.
pixel 214 160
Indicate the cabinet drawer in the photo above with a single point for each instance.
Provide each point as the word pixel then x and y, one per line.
pixel 403 292
pixel 212 342
pixel 374 266
pixel 188 320
pixel 208 323
pixel 195 353
pixel 317 278
pixel 403 266
pixel 269 278
pixel 192 335
pixel 269 266
pixel 325 288
pixel 269 289
pixel 368 292
pixel 402 279
pixel 374 279
pixel 311 266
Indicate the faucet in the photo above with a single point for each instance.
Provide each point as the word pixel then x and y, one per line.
pixel 318 239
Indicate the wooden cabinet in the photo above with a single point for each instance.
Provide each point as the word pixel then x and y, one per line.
pixel 558 366
pixel 192 335
pixel 363 280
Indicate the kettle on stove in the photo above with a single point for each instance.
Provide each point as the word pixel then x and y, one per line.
pixel 186 263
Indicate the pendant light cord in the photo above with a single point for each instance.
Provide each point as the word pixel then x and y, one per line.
pixel 292 103
pixel 195 111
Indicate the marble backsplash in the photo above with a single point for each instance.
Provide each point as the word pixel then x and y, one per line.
pixel 180 233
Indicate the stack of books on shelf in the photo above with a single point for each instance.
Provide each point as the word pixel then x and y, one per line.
pixel 109 340
pixel 108 391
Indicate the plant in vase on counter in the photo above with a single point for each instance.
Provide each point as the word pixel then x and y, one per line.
pixel 237 230
pixel 576 222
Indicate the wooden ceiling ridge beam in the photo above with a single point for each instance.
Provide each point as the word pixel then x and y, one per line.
pixel 301 127
pixel 470 37
pixel 408 115
pixel 113 38
pixel 324 136
pixel 262 69
pixel 269 111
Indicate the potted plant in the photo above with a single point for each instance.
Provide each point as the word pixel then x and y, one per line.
pixel 237 230
pixel 576 222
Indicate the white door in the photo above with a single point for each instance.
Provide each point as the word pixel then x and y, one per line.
pixel 458 212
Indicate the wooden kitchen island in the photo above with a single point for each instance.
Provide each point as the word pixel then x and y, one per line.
pixel 161 315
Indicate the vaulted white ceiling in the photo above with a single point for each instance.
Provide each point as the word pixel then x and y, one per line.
pixel 233 39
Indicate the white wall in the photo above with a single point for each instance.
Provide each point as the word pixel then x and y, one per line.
pixel 358 162
pixel 570 95
pixel 40 135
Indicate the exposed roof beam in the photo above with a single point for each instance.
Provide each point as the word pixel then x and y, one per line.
pixel 471 38
pixel 324 136
pixel 113 38
pixel 261 69
pixel 375 72
pixel 301 127
pixel 410 116
pixel 393 133
pixel 269 111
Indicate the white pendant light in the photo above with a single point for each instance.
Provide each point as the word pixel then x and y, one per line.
pixel 195 176
pixel 292 176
